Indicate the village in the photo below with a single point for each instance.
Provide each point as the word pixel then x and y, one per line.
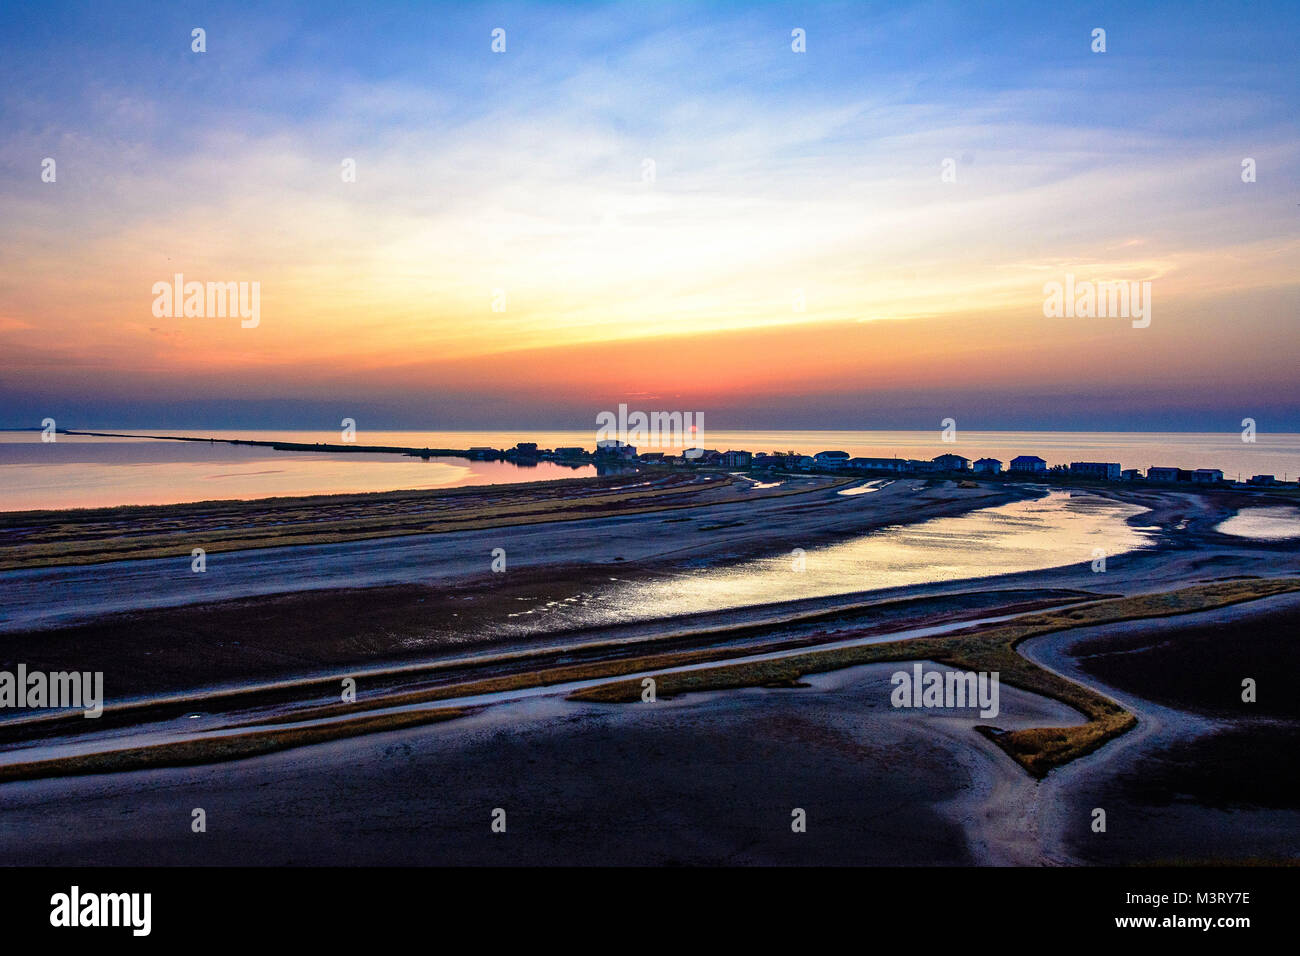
pixel 611 454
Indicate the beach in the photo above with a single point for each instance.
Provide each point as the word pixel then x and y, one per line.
pixel 478 689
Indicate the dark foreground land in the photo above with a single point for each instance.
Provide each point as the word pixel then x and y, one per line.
pixel 1124 697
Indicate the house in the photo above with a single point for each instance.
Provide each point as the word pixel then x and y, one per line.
pixel 483 453
pixel 805 462
pixel 1028 463
pixel 831 459
pixel 765 460
pixel 877 464
pixel 651 456
pixel 1108 470
pixel 736 459
pixel 1207 476
pixel 613 448
pixel 950 463
pixel 702 456
pixel 528 448
pixel 1262 480
pixel 988 466
pixel 570 452
pixel 1162 474
pixel 1131 474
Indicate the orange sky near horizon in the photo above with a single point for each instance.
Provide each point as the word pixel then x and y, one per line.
pixel 666 216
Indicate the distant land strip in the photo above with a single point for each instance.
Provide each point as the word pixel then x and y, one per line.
pixel 293 445
pixel 37 539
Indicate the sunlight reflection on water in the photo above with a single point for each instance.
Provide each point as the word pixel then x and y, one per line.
pixel 1263 524
pixel 1062 528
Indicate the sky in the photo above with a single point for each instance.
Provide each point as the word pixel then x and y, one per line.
pixel 667 205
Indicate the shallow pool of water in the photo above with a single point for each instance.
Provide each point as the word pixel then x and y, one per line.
pixel 1060 529
pixel 1263 524
pixel 866 489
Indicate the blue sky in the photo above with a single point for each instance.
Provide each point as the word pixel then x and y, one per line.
pixel 773 171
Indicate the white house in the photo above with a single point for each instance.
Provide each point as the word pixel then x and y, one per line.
pixel 831 459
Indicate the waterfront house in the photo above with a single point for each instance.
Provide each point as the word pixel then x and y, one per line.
pixel 1029 463
pixel 878 464
pixel 702 456
pixel 1108 470
pixel 1207 476
pixel 831 459
pixel 950 463
pixel 613 448
pixel 570 452
pixel 1130 474
pixel 736 459
pixel 1162 474
pixel 1262 480
pixel 988 466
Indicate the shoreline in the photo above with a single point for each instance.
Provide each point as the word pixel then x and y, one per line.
pixel 757 468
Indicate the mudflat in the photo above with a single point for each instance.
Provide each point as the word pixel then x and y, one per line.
pixel 236 673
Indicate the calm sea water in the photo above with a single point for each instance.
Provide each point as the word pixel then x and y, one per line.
pixel 93 472
pixel 80 472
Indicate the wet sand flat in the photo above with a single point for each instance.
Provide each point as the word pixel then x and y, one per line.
pixel 1204 777
pixel 706 779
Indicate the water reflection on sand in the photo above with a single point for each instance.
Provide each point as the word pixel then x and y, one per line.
pixel 1059 529
pixel 1263 524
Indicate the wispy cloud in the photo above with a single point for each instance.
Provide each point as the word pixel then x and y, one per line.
pixel 775 175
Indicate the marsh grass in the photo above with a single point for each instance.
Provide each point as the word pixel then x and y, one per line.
pixel 981 648
pixel 989 648
pixel 215 749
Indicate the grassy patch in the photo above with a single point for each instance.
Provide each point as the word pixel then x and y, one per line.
pixel 987 648
pixel 982 647
pixel 216 749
